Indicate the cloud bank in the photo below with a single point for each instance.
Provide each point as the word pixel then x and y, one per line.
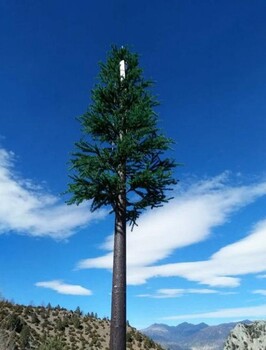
pixel 260 291
pixel 63 288
pixel 239 313
pixel 175 293
pixel 247 256
pixel 25 208
pixel 187 220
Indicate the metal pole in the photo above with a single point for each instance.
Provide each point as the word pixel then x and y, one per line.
pixel 118 312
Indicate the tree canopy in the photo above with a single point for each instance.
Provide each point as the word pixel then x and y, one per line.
pixel 120 134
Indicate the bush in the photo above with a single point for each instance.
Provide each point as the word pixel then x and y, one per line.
pixel 52 344
pixel 14 323
pixel 25 337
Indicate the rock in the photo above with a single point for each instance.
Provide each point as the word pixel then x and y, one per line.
pixel 247 337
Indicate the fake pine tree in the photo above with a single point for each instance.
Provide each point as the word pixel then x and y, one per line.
pixel 119 163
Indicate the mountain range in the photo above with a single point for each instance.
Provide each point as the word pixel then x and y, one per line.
pixel 187 336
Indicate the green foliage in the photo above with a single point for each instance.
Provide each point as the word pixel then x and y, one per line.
pixel 78 311
pixel 14 323
pixel 25 337
pixel 34 318
pixel 130 337
pixel 60 325
pixel 52 344
pixel 122 147
pixel 76 321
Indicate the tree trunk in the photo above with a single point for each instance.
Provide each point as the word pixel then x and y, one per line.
pixel 118 312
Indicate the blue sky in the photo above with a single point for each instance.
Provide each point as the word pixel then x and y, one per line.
pixel 200 258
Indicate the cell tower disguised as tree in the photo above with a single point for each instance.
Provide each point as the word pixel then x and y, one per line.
pixel 119 163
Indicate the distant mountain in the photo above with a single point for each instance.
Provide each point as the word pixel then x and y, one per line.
pixel 248 337
pixel 187 336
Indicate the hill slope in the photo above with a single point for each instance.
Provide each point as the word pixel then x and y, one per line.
pixel 45 328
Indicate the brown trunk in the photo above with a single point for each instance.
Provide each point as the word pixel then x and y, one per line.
pixel 118 329
pixel 118 312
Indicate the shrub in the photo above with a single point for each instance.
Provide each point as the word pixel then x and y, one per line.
pixel 52 344
pixel 25 337
pixel 14 323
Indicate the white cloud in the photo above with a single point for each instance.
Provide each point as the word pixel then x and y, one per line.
pixel 187 220
pixel 26 208
pixel 63 288
pixel 175 293
pixel 234 313
pixel 260 291
pixel 243 257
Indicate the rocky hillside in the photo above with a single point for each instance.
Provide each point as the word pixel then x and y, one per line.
pixel 247 337
pixel 47 328
pixel 187 336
